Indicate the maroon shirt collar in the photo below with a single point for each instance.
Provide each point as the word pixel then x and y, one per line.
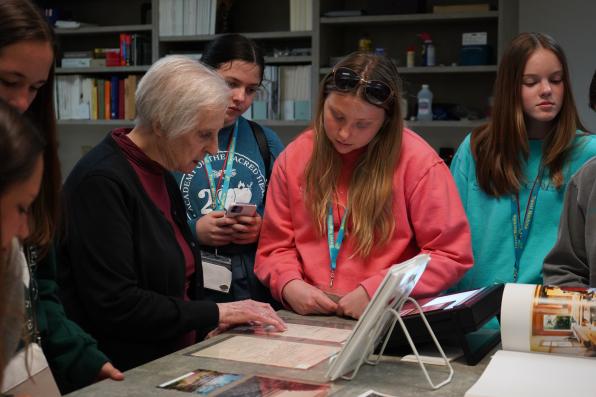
pixel 134 154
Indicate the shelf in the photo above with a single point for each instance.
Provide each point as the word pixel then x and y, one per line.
pixel 448 69
pixel 104 29
pixel 111 123
pixel 438 69
pixel 106 70
pixel 284 123
pixel 129 123
pixel 409 18
pixel 288 59
pixel 254 36
pixel 446 123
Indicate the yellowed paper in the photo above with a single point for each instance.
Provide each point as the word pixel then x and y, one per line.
pixel 275 352
pixel 311 332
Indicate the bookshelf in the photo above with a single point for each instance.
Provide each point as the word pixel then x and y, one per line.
pixel 268 23
pixel 466 87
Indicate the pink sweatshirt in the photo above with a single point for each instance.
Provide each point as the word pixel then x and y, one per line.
pixel 429 219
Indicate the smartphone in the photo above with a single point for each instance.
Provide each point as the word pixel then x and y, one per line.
pixel 241 209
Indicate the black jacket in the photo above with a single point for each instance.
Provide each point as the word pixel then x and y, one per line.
pixel 121 270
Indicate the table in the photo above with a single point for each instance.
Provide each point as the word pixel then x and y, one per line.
pixel 390 376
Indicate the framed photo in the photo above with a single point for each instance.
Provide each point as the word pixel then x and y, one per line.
pixel 376 319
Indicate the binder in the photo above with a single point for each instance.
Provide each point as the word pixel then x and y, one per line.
pixel 460 324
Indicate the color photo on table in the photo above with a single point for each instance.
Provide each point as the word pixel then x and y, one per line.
pixel 201 381
pixel 260 386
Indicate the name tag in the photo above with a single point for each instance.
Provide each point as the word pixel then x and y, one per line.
pixel 217 272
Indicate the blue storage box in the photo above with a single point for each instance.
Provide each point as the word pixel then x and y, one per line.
pixel 474 55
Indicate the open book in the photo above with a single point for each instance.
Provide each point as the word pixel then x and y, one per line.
pixel 549 344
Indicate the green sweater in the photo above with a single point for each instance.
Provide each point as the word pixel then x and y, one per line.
pixel 72 354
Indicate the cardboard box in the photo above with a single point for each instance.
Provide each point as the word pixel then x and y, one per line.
pixel 474 38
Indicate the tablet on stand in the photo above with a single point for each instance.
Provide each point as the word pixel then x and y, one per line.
pixel 379 319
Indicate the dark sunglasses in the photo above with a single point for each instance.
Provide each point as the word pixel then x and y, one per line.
pixel 376 92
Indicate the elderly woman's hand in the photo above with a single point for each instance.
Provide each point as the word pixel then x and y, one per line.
pixel 249 311
pixel 215 229
pixel 247 230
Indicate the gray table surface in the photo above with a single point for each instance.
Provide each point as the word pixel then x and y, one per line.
pixel 389 376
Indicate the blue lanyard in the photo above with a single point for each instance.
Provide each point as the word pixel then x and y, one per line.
pixel 218 204
pixel 334 246
pixel 521 231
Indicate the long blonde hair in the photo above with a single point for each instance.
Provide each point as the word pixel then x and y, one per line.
pixel 370 195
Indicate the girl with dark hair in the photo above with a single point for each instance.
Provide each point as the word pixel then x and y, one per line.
pixel 513 171
pixel 27 83
pixel 20 175
pixel 238 173
pixel 355 195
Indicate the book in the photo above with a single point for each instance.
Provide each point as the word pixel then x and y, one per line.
pixel 107 98
pixel 76 62
pixel 549 344
pixel 114 96
pixel 28 373
pixel 457 320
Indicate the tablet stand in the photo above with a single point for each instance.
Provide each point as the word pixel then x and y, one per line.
pixel 397 318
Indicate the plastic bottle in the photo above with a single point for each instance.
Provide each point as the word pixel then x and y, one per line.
pixel 428 50
pixel 425 104
pixel 365 43
pixel 411 54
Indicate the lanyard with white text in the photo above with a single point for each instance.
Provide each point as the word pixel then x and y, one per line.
pixel 228 165
pixel 522 230
pixel 334 246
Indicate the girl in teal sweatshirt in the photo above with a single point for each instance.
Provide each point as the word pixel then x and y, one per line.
pixel 512 172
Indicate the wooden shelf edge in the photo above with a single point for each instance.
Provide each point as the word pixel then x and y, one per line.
pixel 113 123
pixel 106 70
pixel 412 18
pixel 103 29
pixel 253 35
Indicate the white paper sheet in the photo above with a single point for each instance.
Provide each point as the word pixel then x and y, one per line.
pixel 517 374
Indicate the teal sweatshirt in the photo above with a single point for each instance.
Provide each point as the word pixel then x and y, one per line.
pixel 490 218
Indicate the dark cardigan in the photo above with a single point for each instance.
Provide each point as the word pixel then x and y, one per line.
pixel 121 270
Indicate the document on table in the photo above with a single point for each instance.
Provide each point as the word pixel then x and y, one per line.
pixel 268 351
pixel 300 331
pixel 325 334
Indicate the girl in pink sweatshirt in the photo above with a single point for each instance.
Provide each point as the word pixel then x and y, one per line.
pixel 355 195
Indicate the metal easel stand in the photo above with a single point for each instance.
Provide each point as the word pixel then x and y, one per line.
pixel 397 318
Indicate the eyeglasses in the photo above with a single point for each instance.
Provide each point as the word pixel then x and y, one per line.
pixel 376 92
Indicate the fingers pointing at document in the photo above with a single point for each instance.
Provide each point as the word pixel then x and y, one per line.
pixel 249 311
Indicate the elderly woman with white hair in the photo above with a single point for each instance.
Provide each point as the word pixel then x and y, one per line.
pixel 131 271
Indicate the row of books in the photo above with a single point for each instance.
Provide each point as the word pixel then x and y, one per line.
pixel 187 17
pixel 86 98
pixel 134 49
pixel 285 94
pixel 300 15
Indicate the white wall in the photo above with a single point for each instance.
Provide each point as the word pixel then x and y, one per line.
pixel 573 24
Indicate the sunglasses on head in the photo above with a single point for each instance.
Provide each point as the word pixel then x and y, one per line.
pixel 376 92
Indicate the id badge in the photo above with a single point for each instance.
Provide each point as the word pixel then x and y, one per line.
pixel 217 272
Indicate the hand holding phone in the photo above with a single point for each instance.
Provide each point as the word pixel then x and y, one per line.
pixel 241 209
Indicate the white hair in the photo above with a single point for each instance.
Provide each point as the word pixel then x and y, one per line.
pixel 175 92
